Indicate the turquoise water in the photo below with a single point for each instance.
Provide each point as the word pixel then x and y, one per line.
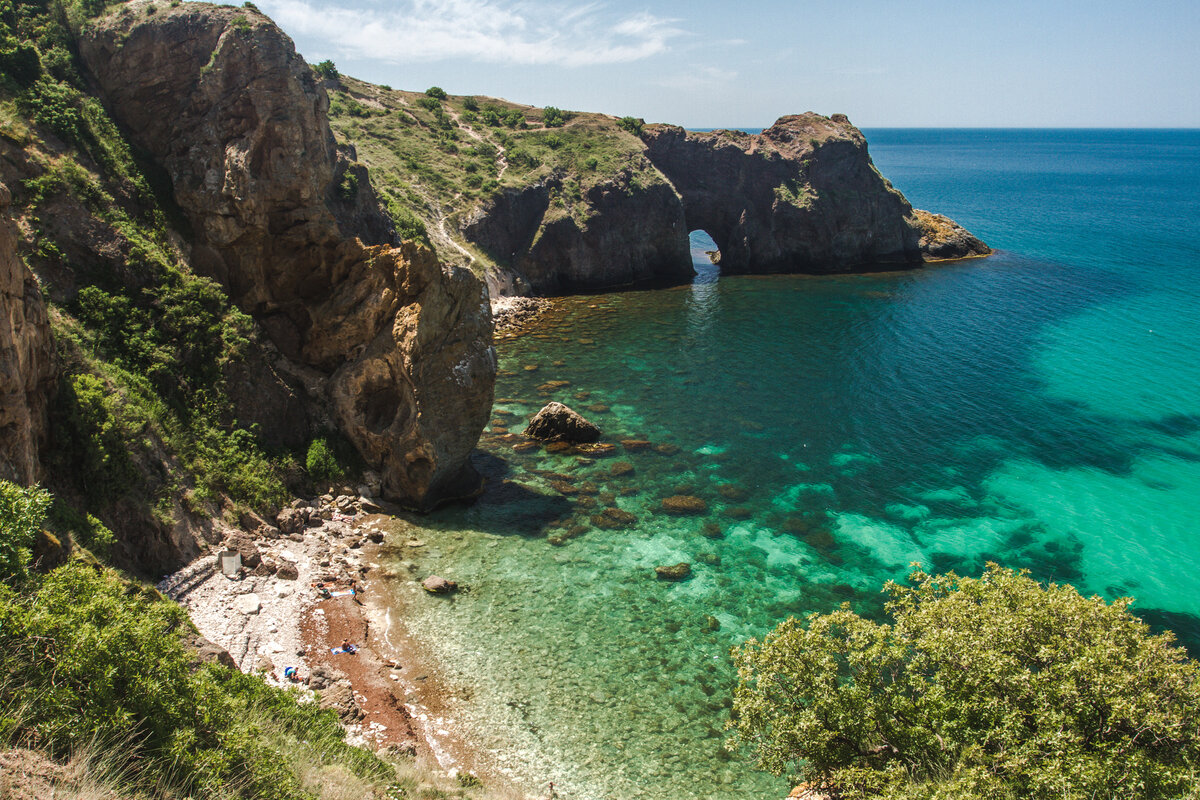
pixel 1039 408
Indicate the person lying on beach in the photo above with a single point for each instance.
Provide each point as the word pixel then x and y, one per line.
pixel 348 648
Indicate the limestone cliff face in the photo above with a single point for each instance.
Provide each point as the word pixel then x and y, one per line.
pixel 220 99
pixel 27 365
pixel 802 196
pixel 620 231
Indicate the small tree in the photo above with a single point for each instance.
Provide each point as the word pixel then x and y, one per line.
pixel 327 69
pixel 436 92
pixel 470 104
pixel 553 117
pixel 991 687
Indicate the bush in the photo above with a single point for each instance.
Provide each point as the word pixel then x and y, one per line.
pixel 22 63
pixel 553 117
pixel 322 464
pixel 21 513
pixel 436 92
pixel 56 106
pixel 429 103
pixel 88 659
pixel 989 687
pixel 631 124
pixel 326 69
pixel 470 104
pixel 408 225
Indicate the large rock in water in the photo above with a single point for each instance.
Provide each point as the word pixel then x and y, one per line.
pixel 802 196
pixel 558 423
pixel 27 363
pixel 400 345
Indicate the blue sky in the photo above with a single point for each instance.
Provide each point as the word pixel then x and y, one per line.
pixel 1021 63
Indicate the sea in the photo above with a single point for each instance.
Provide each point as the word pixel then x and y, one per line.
pixel 1039 408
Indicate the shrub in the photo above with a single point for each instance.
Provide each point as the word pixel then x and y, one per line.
pixel 989 687
pixel 429 103
pixel 21 513
pixel 591 163
pixel 436 92
pixel 554 141
pixel 240 23
pixel 347 187
pixel 22 63
pixel 553 117
pixel 470 104
pixel 631 124
pixel 54 105
pixel 327 69
pixel 513 118
pixel 322 464
pixel 90 659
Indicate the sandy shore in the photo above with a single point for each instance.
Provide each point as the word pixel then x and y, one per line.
pixel 385 696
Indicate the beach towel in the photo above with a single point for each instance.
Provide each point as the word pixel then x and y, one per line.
pixel 343 593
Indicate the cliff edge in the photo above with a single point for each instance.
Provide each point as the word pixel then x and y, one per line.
pixel 399 346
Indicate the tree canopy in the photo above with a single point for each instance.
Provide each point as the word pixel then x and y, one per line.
pixel 991 687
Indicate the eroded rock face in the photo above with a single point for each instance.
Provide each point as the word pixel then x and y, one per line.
pixel 27 363
pixel 802 196
pixel 236 118
pixel 629 233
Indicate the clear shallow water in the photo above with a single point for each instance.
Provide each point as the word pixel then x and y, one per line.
pixel 1040 408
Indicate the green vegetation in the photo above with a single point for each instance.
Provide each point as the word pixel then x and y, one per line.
pixel 322 465
pixel 434 159
pixel 631 124
pixel 93 664
pixel 996 687
pixel 436 92
pixel 326 69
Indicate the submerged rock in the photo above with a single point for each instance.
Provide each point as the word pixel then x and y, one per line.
pixel 684 504
pixel 558 423
pixel 674 572
pixel 435 584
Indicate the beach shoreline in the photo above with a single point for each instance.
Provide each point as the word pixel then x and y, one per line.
pixel 388 695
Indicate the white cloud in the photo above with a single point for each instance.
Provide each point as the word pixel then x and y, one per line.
pixel 491 31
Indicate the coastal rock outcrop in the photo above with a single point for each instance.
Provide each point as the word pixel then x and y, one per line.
pixel 398 347
pixel 802 196
pixel 27 362
pixel 628 229
pixel 559 423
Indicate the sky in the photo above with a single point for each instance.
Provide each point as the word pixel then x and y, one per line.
pixel 884 63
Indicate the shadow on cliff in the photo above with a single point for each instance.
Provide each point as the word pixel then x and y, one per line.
pixel 507 507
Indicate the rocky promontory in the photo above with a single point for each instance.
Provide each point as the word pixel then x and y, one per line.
pixel 380 335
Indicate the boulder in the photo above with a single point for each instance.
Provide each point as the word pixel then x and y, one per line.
pixel 340 697
pixel 682 504
pixel 322 677
pixel 558 423
pixel 245 545
pixel 435 584
pixel 288 571
pixel 247 604
pixel 673 572
pixel 290 520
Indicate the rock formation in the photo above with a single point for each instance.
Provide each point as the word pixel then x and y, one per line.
pixel 802 196
pixel 559 423
pixel 399 345
pixel 628 232
pixel 27 365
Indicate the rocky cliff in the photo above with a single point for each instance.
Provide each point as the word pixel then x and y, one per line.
pixel 587 202
pixel 27 367
pixel 802 196
pixel 396 345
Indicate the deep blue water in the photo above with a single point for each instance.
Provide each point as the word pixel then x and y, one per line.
pixel 1039 408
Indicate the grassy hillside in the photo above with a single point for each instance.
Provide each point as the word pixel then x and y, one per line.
pixel 96 668
pixel 436 158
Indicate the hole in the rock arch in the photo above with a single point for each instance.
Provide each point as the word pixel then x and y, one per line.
pixel 706 256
